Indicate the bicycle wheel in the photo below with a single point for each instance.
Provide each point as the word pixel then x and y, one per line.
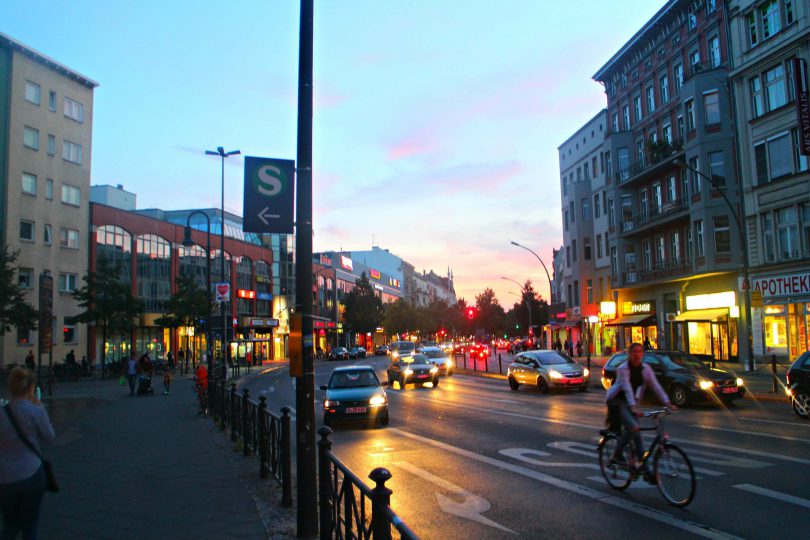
pixel 674 475
pixel 617 476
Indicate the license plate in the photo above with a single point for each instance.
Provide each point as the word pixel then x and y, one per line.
pixel 422 376
pixel 730 390
pixel 576 381
pixel 355 410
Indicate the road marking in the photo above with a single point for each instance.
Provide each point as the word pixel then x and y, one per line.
pixel 769 455
pixel 624 504
pixel 635 485
pixel 755 433
pixel 471 508
pixel 784 497
pixel 509 401
pixel 522 454
pixel 773 421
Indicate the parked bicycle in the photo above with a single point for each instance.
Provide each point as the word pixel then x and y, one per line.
pixel 671 469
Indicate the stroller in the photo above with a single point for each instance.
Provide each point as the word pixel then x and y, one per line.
pixel 145 384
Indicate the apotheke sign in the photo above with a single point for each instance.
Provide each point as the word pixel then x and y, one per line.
pixel 797 284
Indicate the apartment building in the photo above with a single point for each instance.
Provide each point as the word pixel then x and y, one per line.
pixel 674 248
pixel 770 51
pixel 46 119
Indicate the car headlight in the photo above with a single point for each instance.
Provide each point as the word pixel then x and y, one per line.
pixel 409 371
pixel 331 403
pixel 377 400
pixel 449 363
pixel 585 372
pixel 740 382
pixel 434 369
pixel 705 385
pixel 554 374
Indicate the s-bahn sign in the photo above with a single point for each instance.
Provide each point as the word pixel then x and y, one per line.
pixel 269 195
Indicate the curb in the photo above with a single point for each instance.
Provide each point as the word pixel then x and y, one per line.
pixel 484 374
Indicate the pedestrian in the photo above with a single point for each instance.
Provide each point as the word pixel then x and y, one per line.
pixel 558 345
pixel 647 345
pixel 30 363
pixel 170 360
pixel 24 429
pixel 132 372
pixel 181 357
pixel 167 382
pixel 579 348
pixel 70 358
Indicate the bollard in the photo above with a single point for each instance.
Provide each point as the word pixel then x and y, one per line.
pixel 486 364
pixel 286 459
pixel 247 427
pixel 233 412
pixel 589 362
pixel 773 373
pixel 262 434
pixel 223 406
pixel 325 502
pixel 500 367
pixel 380 499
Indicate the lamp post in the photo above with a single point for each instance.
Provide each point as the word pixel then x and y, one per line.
pixel 550 290
pixel 220 151
pixel 525 300
pixel 593 319
pixel 188 242
pixel 744 342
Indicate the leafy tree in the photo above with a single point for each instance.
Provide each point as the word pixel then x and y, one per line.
pixel 108 302
pixel 530 299
pixel 364 311
pixel 400 317
pixel 14 308
pixel 491 316
pixel 190 305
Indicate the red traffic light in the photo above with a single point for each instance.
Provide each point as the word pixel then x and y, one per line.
pixel 470 313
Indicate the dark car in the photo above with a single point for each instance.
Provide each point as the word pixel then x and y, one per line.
pixel 684 377
pixel 401 348
pixel 440 359
pixel 339 353
pixel 355 393
pixel 357 352
pixel 546 370
pixel 417 369
pixel 798 385
pixel 381 350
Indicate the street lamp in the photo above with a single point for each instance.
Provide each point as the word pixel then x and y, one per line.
pixel 745 331
pixel 526 300
pixel 220 151
pixel 550 290
pixel 188 242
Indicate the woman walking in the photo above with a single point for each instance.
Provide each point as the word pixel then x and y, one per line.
pixel 22 477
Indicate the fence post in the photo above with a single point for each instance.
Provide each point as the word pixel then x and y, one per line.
pixel 286 459
pixel 773 373
pixel 380 499
pixel 500 367
pixel 233 412
pixel 486 363
pixel 223 406
pixel 325 503
pixel 262 432
pixel 247 427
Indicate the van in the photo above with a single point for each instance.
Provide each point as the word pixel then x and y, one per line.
pixel 401 348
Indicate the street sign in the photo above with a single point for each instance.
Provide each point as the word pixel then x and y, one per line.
pixel 269 195
pixel 756 298
pixel 223 291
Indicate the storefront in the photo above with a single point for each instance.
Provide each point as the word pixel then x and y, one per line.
pixel 605 336
pixel 708 326
pixel 780 325
pixel 637 324
pixel 323 332
pixel 254 341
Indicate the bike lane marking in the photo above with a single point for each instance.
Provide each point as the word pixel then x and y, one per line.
pixel 755 433
pixel 743 418
pixel 585 491
pixel 778 495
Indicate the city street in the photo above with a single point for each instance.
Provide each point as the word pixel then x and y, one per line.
pixel 473 459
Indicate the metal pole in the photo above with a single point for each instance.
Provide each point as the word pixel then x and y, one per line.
pixel 222 259
pixel 307 510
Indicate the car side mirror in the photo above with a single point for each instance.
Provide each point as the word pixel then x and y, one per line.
pixel 324 387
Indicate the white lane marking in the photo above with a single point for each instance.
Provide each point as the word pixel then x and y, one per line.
pixel 585 491
pixel 755 433
pixel 471 508
pixel 769 455
pixel 635 485
pixel 522 454
pixel 773 422
pixel 784 497
pixel 509 401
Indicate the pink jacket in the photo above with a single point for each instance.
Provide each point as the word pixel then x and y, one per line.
pixel 622 383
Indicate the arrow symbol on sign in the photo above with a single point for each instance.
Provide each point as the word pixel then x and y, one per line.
pixel 470 508
pixel 263 215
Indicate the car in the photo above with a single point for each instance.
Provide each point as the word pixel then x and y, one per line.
pixel 357 352
pixel 424 344
pixel 381 350
pixel 547 370
pixel 339 353
pixel 355 393
pixel 798 385
pixel 440 359
pixel 416 369
pixel 402 348
pixel 684 377
pixel 447 346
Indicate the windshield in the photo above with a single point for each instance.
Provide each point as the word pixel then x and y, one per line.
pixel 681 361
pixel 550 358
pixel 417 359
pixel 404 346
pixel 353 379
pixel 435 354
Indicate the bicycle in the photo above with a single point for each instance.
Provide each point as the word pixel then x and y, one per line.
pixel 202 398
pixel 672 471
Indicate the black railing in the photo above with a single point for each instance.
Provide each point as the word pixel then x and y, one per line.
pixel 262 433
pixel 654 214
pixel 654 155
pixel 349 509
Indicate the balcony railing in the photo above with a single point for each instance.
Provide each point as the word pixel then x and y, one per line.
pixel 655 154
pixel 701 67
pixel 673 269
pixel 654 215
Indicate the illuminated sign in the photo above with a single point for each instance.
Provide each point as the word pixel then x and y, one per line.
pixel 374 273
pixel 325 260
pixel 346 263
pixel 255 322
pixel 607 311
pixel 243 293
pixel 378 286
pixel 264 296
pixel 635 308
pixel 393 282
pixel 785 285
pixel 710 301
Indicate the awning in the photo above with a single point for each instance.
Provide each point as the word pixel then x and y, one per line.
pixel 631 320
pixel 702 315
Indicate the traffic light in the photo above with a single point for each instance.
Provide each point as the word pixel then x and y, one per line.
pixel 470 313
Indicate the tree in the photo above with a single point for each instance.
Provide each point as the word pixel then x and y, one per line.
pixel 14 308
pixel 530 299
pixel 399 317
pixel 190 305
pixel 108 302
pixel 491 316
pixel 363 308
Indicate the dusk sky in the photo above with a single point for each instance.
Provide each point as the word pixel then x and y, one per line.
pixel 436 122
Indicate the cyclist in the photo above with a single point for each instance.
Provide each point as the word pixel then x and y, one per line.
pixel 632 378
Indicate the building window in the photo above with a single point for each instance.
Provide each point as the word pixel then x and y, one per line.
pixel 51 145
pixel 689 247
pixel 672 191
pixel 579 174
pixel 769 14
pixel 611 213
pixel 604 202
pixel 717 169
pixel 788 11
pixel 787 233
pixel 680 127
pixel 25 278
pixel 576 292
pixel 608 165
pixel 589 290
pixel 667 132
pixel 637 109
pixel 27 232
pixel 640 151
pixel 650 99
pixel 780 156
pixel 752 28
pixel 615 122
pixel 711 5
pixel 761 161
pixel 757 105
pixel 694 60
pixel 675 247
pixel 801 161
pixel 684 185
pixel 677 72
pixel 586 247
pixel 71 195
pixel 69 333
pixel 574 249
pixel 585 171
pixel 565 221
pixel 599 245
pixel 714 51
pixel 153 256
pixel 23 336
pixel 570 296
pixel 69 238
pixel 657 197
pixel 644 204
pixel 690 115
pixel 722 236
pixel 691 21
pixel 806 228
pixel 49 189
pixel 72 152
pixel 568 259
pixel 572 211
pixel 29 184
pixel 47 236
pixel 52 101
pixel 711 106
pixel 31 138
pixel 596 207
pixel 775 88
pixel 663 84
pixel 694 165
pixel 768 238
pixel 68 282
pixel 660 258
pixel 614 261
pixel 594 167
pixel 32 92
pixel 647 253
pixel 626 117
pixel 699 237
pixel 586 208
pixel 74 110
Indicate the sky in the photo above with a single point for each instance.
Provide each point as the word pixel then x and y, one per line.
pixel 435 129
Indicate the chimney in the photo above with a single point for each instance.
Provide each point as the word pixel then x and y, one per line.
pixel 120 186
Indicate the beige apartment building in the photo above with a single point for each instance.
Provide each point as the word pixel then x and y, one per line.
pixel 46 119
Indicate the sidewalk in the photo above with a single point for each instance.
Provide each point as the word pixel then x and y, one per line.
pixel 150 467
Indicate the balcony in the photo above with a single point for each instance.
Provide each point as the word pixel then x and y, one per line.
pixel 701 67
pixel 656 216
pixel 658 156
pixel 663 272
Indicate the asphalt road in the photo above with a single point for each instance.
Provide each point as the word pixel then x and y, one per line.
pixel 472 459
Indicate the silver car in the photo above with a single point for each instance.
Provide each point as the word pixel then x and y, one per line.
pixel 546 370
pixel 439 357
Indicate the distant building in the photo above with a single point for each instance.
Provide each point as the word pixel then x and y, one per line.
pixel 46 121
pixel 115 196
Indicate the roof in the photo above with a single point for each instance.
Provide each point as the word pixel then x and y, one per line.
pixel 352 368
pixel 584 127
pixel 46 60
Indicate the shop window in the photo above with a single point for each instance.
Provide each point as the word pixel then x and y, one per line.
pixel 775 325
